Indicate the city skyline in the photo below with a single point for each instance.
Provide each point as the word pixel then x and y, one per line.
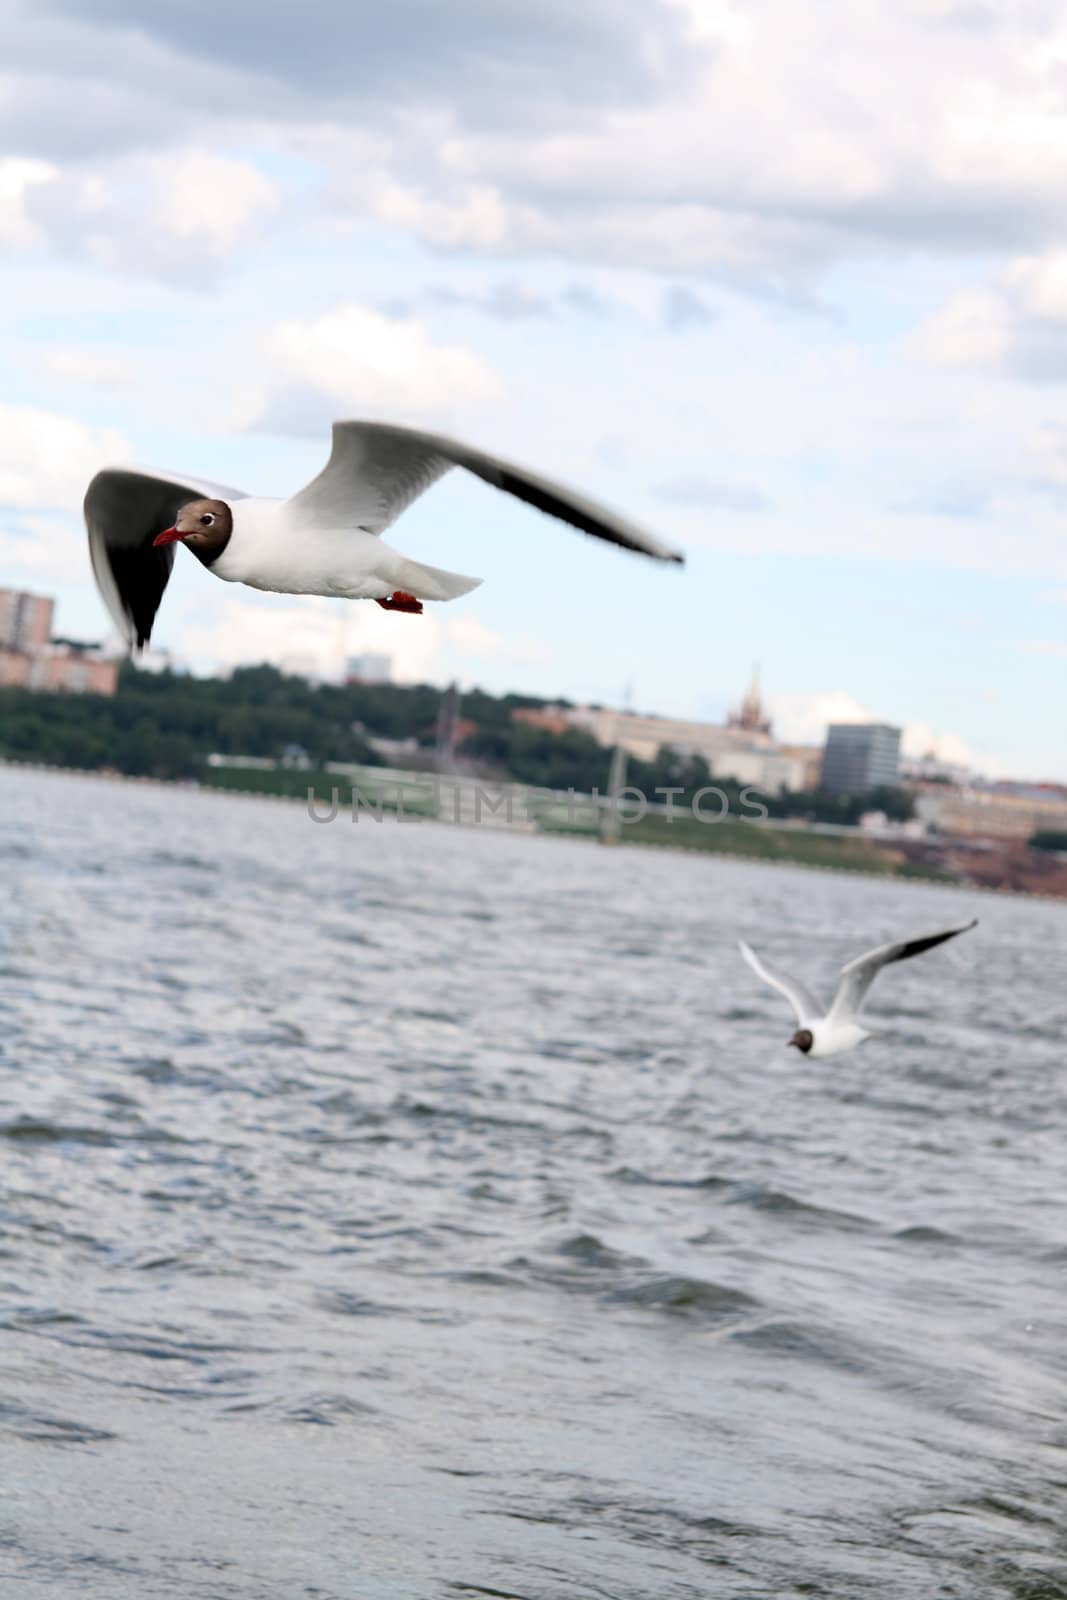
pixel 747 724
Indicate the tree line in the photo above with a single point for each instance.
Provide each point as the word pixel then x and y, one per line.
pixel 164 725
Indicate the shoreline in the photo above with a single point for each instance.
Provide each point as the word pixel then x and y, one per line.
pixel 577 835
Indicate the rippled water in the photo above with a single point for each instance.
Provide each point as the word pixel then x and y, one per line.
pixel 399 1211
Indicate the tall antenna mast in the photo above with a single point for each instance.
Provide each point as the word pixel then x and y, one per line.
pixel 610 821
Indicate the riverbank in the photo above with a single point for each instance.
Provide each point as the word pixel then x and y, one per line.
pixel 370 795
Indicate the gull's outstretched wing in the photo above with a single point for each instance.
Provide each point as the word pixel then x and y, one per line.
pixel 858 976
pixel 805 1006
pixel 376 470
pixel 124 510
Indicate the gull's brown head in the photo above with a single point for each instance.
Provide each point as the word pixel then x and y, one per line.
pixel 204 526
pixel 803 1039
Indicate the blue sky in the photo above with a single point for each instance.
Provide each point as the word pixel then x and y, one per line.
pixel 787 284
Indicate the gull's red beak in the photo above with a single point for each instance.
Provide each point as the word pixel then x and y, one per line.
pixel 168 536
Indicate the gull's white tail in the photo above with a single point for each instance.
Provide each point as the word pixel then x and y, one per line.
pixel 431 583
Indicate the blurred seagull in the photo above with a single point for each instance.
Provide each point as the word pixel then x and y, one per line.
pixel 829 1033
pixel 324 540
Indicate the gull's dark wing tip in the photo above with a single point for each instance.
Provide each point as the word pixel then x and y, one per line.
pixel 567 506
pixel 124 510
pixel 915 947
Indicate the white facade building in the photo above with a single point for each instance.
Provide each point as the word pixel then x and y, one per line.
pixel 730 752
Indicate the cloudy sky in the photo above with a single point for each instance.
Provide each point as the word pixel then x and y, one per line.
pixel 786 282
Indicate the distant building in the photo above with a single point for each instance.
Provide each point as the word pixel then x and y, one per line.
pixel 31 659
pixel 769 770
pixel 993 811
pixel 751 758
pixel 1027 789
pixel 643 737
pixel 860 756
pixel 59 670
pixel 808 758
pixel 394 749
pixel 742 748
pixel 25 621
pixel 931 768
pixel 369 668
pixel 552 719
pixel 750 716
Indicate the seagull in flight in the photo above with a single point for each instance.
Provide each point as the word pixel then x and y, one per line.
pixel 324 540
pixel 828 1033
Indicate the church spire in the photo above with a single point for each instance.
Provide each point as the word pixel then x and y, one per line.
pixel 751 716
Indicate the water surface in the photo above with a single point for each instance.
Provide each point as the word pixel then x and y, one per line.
pixel 395 1210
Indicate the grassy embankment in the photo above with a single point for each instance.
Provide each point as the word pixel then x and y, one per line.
pixel 762 842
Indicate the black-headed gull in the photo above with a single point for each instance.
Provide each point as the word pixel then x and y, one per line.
pixel 828 1033
pixel 324 540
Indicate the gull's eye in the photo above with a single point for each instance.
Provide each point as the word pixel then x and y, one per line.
pixel 206 520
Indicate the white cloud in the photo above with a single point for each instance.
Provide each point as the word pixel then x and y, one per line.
pixel 1046 449
pixel 353 360
pixel 47 459
pixel 41 550
pixel 661 236
pixel 1016 325
pixel 176 215
pixel 789 145
pixel 208 204
pixel 756 143
pixel 322 634
pixel 469 636
pixel 973 329
pixel 17 181
pixel 803 719
pixel 921 739
pixel 1037 285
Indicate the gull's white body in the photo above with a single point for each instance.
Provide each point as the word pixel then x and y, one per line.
pixel 837 1029
pixel 834 1035
pixel 273 550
